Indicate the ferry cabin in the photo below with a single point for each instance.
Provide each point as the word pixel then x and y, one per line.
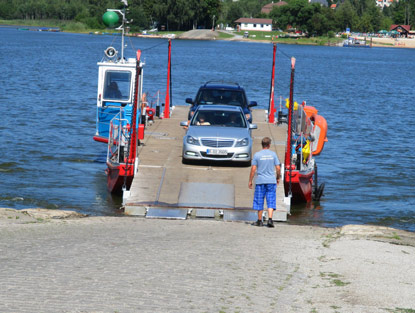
pixel 115 94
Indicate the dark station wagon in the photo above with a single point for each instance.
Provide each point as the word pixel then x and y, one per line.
pixel 223 94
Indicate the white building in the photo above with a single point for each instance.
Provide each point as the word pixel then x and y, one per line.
pixel 383 3
pixel 261 24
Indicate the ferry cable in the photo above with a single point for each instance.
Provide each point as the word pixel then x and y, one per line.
pixel 149 48
pixel 284 54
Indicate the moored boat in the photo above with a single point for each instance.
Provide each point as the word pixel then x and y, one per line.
pixel 307 133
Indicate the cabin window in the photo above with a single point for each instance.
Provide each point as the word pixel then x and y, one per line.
pixel 117 85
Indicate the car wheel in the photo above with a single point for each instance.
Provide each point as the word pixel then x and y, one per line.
pixel 185 161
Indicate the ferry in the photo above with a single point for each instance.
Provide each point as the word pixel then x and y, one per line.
pixel 352 42
pixel 119 99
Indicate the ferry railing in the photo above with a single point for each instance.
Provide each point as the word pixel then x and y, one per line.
pixel 118 140
pixel 302 128
pixel 153 101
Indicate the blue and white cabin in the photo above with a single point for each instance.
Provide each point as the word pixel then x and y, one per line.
pixel 115 92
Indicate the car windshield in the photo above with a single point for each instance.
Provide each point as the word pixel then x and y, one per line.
pixel 217 96
pixel 219 118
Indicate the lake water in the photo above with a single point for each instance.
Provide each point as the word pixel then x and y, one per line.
pixel 48 105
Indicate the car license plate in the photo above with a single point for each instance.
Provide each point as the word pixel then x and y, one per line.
pixel 216 152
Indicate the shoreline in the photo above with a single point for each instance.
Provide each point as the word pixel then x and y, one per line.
pixel 376 41
pixel 40 215
pixel 130 264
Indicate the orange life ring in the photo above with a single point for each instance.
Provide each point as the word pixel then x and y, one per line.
pixel 320 129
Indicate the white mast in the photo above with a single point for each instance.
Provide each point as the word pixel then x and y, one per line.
pixel 122 26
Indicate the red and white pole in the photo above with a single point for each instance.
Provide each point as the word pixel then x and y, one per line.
pixel 167 100
pixel 288 150
pixel 133 143
pixel 271 107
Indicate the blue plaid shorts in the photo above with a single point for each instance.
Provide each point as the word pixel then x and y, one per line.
pixel 263 191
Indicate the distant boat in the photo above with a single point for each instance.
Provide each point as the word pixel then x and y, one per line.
pixel 42 29
pixel 355 43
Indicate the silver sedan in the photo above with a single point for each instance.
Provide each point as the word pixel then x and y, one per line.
pixel 218 133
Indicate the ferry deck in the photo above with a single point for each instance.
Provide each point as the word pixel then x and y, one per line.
pixel 163 187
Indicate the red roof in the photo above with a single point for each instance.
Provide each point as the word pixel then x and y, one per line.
pixel 405 27
pixel 333 6
pixel 268 7
pixel 254 20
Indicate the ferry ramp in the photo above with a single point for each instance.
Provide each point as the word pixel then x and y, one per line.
pixel 200 34
pixel 163 187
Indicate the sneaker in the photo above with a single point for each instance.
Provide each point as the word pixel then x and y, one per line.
pixel 258 223
pixel 270 223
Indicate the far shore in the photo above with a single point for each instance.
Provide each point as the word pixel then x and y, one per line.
pixel 216 35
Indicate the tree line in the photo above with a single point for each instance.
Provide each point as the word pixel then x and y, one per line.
pixel 312 18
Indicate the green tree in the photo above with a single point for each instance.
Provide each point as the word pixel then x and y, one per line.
pixel 318 24
pixel 346 17
pixel 7 10
pixel 365 23
pixel 234 12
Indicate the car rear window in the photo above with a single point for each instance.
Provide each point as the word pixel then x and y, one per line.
pixel 214 96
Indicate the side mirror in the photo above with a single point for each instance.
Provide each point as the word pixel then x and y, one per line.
pixel 183 123
pixel 252 104
pixel 189 100
pixel 253 126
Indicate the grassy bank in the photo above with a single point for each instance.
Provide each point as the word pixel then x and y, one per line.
pixel 67 26
pixel 71 26
pixel 78 27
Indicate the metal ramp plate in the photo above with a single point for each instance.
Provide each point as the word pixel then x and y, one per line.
pixel 205 213
pixel 174 214
pixel 207 195
pixel 240 215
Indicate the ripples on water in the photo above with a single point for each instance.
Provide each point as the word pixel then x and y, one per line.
pixel 48 111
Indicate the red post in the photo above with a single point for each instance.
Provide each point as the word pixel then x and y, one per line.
pixel 271 107
pixel 167 101
pixel 288 151
pixel 133 142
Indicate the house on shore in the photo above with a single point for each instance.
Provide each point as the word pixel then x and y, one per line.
pixel 260 24
pixel 402 30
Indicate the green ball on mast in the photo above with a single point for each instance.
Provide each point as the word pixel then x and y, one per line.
pixel 110 18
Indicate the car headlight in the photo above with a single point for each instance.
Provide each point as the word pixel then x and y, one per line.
pixel 242 143
pixel 192 140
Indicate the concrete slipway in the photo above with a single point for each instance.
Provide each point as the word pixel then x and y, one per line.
pixel 164 187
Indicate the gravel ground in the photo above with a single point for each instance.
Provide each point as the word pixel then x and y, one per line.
pixel 54 261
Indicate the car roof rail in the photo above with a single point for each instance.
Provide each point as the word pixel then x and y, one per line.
pixel 212 82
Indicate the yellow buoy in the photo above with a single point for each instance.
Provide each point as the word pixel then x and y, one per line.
pixel 287 104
